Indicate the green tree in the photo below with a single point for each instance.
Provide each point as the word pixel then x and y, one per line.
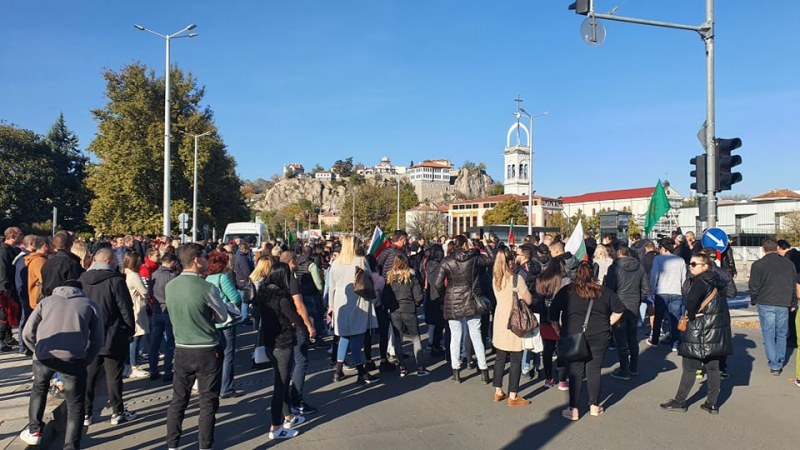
pixel 789 228
pixel 344 167
pixel 376 204
pixel 27 176
pixel 504 211
pixel 70 194
pixel 427 224
pixel 633 227
pixel 127 180
pixel 495 189
pixel 560 222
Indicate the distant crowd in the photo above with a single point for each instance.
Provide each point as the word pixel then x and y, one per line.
pixel 153 308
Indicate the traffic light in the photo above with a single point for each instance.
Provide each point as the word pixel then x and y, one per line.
pixel 699 174
pixel 581 7
pixel 725 162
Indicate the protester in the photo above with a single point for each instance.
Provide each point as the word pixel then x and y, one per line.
pixel 508 345
pixel 708 333
pixel 194 306
pixel 434 317
pixel 217 262
pixel 568 313
pixel 62 264
pixel 403 295
pixel 9 303
pixel 352 314
pixel 666 280
pixel 385 259
pixel 131 263
pixel 160 323
pixel 278 321
pixel 67 312
pixel 552 279
pixel 106 286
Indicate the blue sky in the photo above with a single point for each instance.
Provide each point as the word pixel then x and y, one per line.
pixel 315 81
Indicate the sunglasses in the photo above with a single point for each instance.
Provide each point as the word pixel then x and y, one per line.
pixel 695 264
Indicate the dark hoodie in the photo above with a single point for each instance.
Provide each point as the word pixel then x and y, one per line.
pixel 107 288
pixel 60 267
pixel 626 277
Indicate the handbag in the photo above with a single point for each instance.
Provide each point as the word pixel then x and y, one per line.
pixel 521 321
pixel 683 321
pixel 573 347
pixel 234 314
pixel 533 340
pixel 362 285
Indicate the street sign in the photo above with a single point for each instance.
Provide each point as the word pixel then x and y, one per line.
pixel 183 218
pixel 715 238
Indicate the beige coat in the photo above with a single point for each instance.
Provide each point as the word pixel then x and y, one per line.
pixel 503 338
pixel 139 296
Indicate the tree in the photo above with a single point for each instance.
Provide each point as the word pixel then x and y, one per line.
pixel 317 168
pixel 560 222
pixel 633 227
pixel 376 204
pixel 343 168
pixel 27 176
pixel 427 224
pixel 70 194
pixel 127 180
pixel 789 228
pixel 495 189
pixel 504 212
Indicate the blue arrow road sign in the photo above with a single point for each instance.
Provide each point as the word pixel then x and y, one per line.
pixel 715 238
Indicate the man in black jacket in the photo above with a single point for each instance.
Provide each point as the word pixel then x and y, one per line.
pixel 8 294
pixel 62 264
pixel 106 286
pixel 785 249
pixel 626 277
pixel 772 289
pixel 160 324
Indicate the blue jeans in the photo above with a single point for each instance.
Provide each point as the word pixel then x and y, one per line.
pixel 673 307
pixel 356 344
pixel 775 328
pixel 313 304
pixel 74 375
pixel 300 367
pixel 227 342
pixel 137 343
pixel 473 324
pixel 161 331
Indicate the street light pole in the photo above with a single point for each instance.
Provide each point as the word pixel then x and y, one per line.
pixel 167 156
pixel 194 184
pixel 398 203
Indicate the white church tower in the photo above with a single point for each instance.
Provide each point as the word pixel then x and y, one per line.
pixel 517 158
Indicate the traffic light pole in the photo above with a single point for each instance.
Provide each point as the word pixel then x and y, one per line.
pixel 706 30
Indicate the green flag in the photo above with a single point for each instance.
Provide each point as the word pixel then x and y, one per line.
pixel 659 205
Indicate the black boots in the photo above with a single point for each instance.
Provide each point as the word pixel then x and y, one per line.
pixel 485 376
pixel 456 375
pixel 338 374
pixel 364 377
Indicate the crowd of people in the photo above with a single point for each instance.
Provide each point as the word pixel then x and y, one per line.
pixel 152 308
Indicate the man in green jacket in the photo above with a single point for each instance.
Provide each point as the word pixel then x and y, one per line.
pixel 194 306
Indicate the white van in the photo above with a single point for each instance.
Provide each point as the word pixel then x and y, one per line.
pixel 250 232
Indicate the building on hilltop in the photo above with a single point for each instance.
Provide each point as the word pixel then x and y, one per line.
pixel 325 175
pixel 431 178
pixel 467 214
pixel 384 168
pixel 294 169
pixel 634 201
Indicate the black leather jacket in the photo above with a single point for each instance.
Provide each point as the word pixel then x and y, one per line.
pixel 708 334
pixel 461 269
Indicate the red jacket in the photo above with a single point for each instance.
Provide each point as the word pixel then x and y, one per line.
pixel 147 269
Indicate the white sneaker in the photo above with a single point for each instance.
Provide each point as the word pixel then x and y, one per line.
pixel 282 433
pixel 138 373
pixel 87 420
pixel 195 388
pixel 126 416
pixel 296 420
pixel 30 438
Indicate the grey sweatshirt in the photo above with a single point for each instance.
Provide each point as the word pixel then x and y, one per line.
pixel 667 275
pixel 66 326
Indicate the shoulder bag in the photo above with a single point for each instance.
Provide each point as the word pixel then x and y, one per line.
pixel 233 312
pixel 683 321
pixel 573 347
pixel 362 285
pixel 521 320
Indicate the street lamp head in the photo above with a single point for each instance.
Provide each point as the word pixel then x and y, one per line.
pixel 138 27
pixel 191 35
pixel 192 26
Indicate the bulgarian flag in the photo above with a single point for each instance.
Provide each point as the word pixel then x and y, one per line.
pixel 378 242
pixel 575 244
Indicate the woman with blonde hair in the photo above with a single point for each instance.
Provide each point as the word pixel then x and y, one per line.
pixel 507 344
pixel 351 313
pixel 79 249
pixel 403 295
pixel 602 261
pixel 130 266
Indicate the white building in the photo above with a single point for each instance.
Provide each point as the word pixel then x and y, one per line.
pixel 469 213
pixel 635 201
pixel 433 171
pixel 325 175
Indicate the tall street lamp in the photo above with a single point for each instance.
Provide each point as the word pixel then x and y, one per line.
pixel 167 194
pixel 522 112
pixel 194 184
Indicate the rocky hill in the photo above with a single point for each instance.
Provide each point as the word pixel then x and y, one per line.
pixel 470 183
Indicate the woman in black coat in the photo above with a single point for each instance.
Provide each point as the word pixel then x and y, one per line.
pixel 707 338
pixel 434 315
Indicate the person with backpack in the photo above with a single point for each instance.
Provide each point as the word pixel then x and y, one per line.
pixel 508 287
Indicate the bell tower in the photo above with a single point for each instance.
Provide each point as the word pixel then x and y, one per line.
pixel 517 158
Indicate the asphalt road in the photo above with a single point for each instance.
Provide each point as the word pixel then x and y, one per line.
pixel 757 410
